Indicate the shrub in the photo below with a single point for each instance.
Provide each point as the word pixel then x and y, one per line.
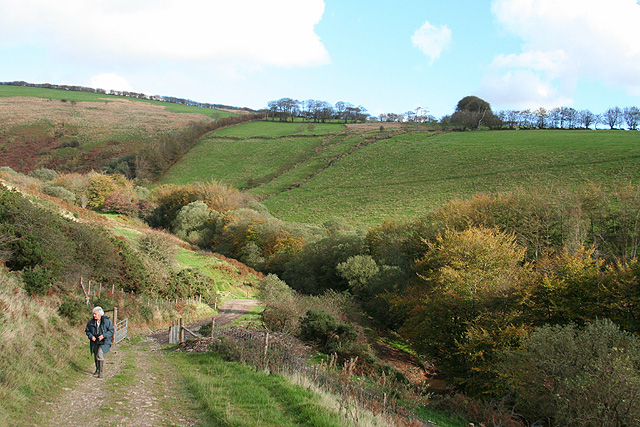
pixel 7 170
pixel 251 255
pixel 117 202
pixel 74 182
pixel 44 174
pixel 324 330
pixel 227 348
pixel 146 210
pixel 577 377
pixel 73 309
pixel 146 313
pixel 60 192
pixel 100 186
pixel 171 199
pixel 205 329
pixel 271 288
pixel 106 300
pixel 188 282
pixel 358 270
pixel 37 235
pixel 195 223
pixel 283 316
pixel 36 280
pixel 158 247
pixel 73 143
pixel 313 270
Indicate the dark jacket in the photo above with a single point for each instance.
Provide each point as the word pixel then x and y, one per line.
pixel 106 330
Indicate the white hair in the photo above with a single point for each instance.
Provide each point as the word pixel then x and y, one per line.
pixel 99 310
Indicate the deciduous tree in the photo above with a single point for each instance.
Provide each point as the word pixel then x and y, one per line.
pixel 612 117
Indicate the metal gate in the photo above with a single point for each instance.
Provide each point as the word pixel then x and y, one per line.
pixel 121 327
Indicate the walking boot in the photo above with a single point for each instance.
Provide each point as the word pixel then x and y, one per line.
pixel 97 370
pixel 100 366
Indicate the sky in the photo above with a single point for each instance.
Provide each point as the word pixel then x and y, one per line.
pixel 389 57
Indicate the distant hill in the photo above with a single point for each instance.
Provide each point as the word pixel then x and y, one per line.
pixel 366 173
pixel 70 130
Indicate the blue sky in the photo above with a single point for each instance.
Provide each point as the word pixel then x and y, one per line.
pixel 386 56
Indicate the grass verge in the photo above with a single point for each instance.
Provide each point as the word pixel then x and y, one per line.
pixel 32 361
pixel 233 394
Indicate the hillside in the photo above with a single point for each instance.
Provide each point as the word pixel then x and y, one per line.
pixel 79 131
pixel 497 240
pixel 363 175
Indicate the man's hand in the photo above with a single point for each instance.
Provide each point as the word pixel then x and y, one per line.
pixel 101 337
pixel 93 338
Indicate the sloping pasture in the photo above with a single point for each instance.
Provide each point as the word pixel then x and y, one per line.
pixel 311 179
pixel 413 173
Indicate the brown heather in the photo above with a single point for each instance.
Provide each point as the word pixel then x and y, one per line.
pixel 36 128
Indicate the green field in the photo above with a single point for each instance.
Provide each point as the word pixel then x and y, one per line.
pixel 35 92
pixel 403 176
pixel 278 129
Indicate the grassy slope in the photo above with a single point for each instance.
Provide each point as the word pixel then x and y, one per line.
pixel 411 174
pixel 225 276
pixel 403 176
pixel 223 157
pixel 10 91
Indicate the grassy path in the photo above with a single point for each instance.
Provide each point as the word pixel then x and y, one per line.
pixel 141 387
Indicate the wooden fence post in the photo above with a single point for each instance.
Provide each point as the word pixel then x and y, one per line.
pixel 115 323
pixel 266 347
pixel 213 325
pixel 181 330
pixel 86 294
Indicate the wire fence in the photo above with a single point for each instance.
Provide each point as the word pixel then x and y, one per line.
pixel 283 354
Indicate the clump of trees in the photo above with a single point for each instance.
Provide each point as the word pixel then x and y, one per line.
pixel 473 112
pixel 418 115
pixel 568 118
pixel 285 109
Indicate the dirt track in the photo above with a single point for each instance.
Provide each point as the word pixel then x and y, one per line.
pixel 140 387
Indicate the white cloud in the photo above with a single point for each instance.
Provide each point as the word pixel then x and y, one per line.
pixel 432 40
pixel 565 42
pixel 522 89
pixel 550 62
pixel 243 32
pixel 109 81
